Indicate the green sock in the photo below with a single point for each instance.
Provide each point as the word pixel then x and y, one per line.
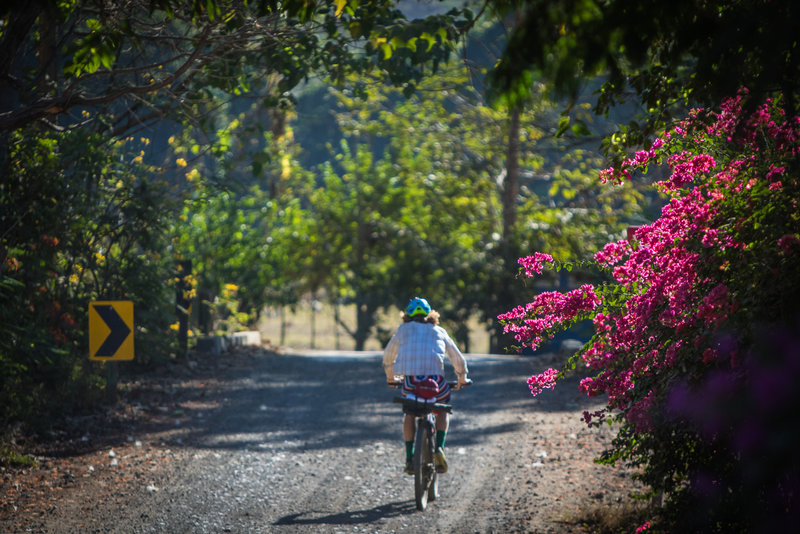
pixel 440 435
pixel 409 450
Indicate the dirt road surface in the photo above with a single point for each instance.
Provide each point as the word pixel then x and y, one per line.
pixel 263 442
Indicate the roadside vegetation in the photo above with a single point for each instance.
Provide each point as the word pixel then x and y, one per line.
pixel 187 192
pixel 209 161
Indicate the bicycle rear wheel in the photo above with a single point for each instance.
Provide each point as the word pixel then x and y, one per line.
pixel 423 465
pixel 433 485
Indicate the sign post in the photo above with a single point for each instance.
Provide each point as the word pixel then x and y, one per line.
pixel 111 338
pixel 183 305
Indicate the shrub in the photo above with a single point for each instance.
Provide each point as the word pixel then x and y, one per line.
pixel 695 341
pixel 81 220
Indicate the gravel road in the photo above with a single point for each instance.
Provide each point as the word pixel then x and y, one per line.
pixel 311 442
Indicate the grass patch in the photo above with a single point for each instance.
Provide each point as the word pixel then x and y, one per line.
pixel 11 459
pixel 624 517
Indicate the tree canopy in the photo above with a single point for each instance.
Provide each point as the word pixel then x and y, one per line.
pixel 147 59
pixel 92 205
pixel 664 56
pixel 414 199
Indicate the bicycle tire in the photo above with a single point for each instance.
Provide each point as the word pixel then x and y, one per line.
pixel 423 464
pixel 433 483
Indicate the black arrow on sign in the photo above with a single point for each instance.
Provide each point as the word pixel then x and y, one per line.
pixel 119 331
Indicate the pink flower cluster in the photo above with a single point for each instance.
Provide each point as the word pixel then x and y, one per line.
pixel 546 311
pixel 716 306
pixel 540 382
pixel 613 253
pixel 670 295
pixel 788 243
pixel 533 265
pixel 639 413
pixel 685 168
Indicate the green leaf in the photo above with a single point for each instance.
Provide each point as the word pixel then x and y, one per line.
pixel 340 6
pixel 563 124
pixel 212 9
pixel 431 40
pixel 106 56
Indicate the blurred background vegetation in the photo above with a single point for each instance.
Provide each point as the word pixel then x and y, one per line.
pixel 353 153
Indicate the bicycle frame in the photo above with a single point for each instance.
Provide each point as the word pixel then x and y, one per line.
pixel 426 486
pixel 426 480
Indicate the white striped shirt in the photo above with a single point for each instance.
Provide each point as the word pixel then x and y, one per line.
pixel 419 349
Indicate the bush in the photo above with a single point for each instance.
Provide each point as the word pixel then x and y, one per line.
pixel 694 341
pixel 81 220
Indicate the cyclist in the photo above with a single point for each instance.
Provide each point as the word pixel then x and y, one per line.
pixel 416 351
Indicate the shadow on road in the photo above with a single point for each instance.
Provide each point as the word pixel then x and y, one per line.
pixel 355 517
pixel 309 403
pixel 267 401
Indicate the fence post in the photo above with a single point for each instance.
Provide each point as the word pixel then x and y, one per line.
pixel 183 305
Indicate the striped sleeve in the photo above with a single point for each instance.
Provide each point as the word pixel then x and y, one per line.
pixel 454 355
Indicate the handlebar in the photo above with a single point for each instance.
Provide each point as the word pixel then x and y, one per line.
pixel 423 407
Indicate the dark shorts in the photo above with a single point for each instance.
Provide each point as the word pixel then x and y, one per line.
pixel 443 397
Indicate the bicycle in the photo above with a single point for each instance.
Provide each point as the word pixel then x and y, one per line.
pixel 426 483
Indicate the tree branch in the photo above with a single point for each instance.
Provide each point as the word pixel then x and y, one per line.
pixel 15 119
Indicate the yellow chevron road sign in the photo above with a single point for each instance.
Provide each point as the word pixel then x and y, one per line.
pixel 111 330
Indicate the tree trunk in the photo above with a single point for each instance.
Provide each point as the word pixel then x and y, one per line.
pixel 365 320
pixel 504 295
pixel 283 326
pixel 313 324
pixel 511 182
pixel 336 321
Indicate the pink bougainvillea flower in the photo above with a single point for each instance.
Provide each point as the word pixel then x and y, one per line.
pixel 788 242
pixel 534 264
pixel 639 414
pixel 613 253
pixel 677 281
pixel 540 382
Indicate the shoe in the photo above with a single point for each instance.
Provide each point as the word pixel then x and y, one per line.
pixel 440 461
pixel 409 468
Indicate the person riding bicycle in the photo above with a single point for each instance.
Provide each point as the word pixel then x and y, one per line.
pixel 416 351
